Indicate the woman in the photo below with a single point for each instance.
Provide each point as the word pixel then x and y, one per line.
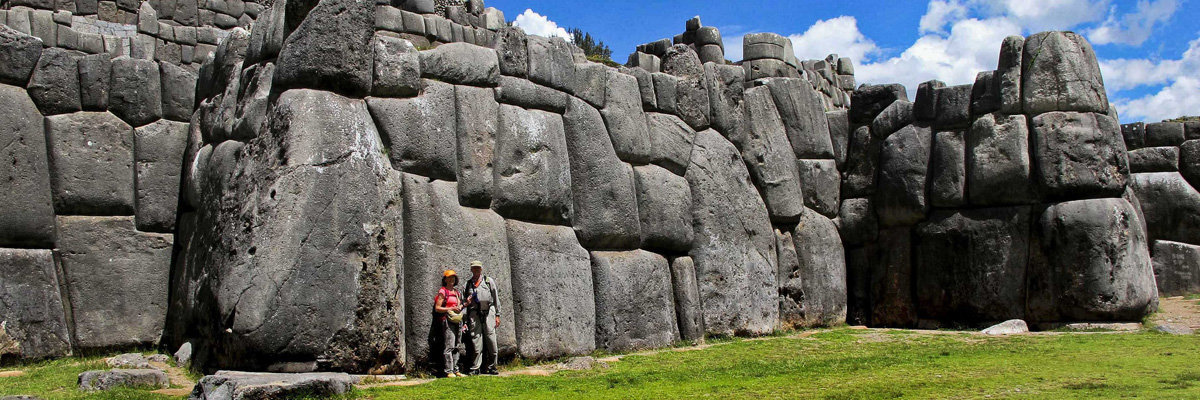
pixel 449 304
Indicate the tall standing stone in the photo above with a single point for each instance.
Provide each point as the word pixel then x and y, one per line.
pixel 998 164
pixel 329 49
pixel 31 305
pixel 92 158
pixel 1059 72
pixel 605 204
pixel 28 218
pixel 803 117
pixel 634 301
pixel 769 157
pixel 548 259
pixel 478 121
pixel 532 171
pixel 421 130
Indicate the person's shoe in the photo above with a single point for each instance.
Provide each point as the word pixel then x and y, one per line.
pixel 473 372
pixel 492 372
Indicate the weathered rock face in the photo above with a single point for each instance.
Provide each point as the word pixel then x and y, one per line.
pixel 734 247
pixel 635 307
pixel 605 206
pixel 1059 72
pixel 1175 268
pixel 1079 155
pixel 548 259
pixel 31 305
pixel 533 176
pixel 92 158
pixel 26 173
pixel 998 163
pixel 821 267
pixel 970 265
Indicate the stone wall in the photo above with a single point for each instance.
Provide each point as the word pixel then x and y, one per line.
pixel 317 172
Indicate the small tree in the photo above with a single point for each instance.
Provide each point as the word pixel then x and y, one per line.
pixel 594 49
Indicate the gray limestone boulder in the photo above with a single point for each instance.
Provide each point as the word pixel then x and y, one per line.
pixel 532 168
pixel 230 385
pixel 420 131
pixel 31 305
pixel 1079 155
pixel 862 161
pixel 625 120
pixel 839 134
pixel 1154 159
pixel 1176 268
pixel 330 48
pixel 548 259
pixel 322 206
pixel 1189 161
pixel 478 123
pixel 897 115
pixel 1160 134
pixel 92 158
pixel 953 107
pixel 128 361
pixel 461 63
pixel 970 265
pixel 734 245
pixel 821 182
pixel 1010 327
pixel 768 68
pixel 511 46
pixel 397 68
pixel 645 86
pixel 551 62
pixel 178 92
pixel 19 54
pixel 158 156
pixel 250 115
pixel 687 299
pixel 821 268
pixel 602 186
pixel 1059 72
pixel 95 79
pixel 54 85
pixel 664 204
pixel 635 307
pixel 117 280
pixel 999 167
pixel 925 103
pixel 900 197
pixel 769 157
pixel 123 378
pixel 1134 134
pixel 591 82
pixel 692 102
pixel 726 84
pixel 789 280
pixel 665 87
pixel 985 94
pixel 857 222
pixel 869 100
pixel 523 93
pixel 1171 206
pixel 671 141
pixel 1008 74
pixel 1089 261
pixel 29 219
pixel 948 170
pixel 889 279
pixel 803 116
pixel 439 234
pixel 135 94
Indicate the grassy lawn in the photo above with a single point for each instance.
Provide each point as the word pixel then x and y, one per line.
pixel 837 364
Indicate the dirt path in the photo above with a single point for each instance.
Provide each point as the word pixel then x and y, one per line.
pixel 1178 311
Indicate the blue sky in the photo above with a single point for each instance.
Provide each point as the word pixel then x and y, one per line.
pixel 1149 49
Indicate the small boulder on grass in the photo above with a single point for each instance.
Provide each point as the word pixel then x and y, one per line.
pixel 132 378
pixel 1174 329
pixel 128 361
pixel 1010 327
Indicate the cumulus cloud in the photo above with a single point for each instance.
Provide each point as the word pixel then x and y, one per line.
pixel 1041 15
pixel 941 13
pixel 954 58
pixel 537 24
pixel 1175 100
pixel 1134 28
pixel 837 35
pixel 1175 80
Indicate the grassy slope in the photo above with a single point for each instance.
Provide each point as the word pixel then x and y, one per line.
pixel 839 364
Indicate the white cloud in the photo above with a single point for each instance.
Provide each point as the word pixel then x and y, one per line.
pixel 971 46
pixel 537 24
pixel 1177 95
pixel 838 35
pixel 1134 28
pixel 1041 15
pixel 941 13
pixel 1177 99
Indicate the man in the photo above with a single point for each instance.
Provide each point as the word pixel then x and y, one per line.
pixel 483 316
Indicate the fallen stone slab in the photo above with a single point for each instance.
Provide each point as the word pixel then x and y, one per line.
pixel 1174 329
pixel 123 378
pixel 259 385
pixel 1010 327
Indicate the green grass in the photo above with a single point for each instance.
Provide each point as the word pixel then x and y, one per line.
pixel 838 364
pixel 852 364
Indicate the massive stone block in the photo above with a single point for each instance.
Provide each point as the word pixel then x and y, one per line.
pixel 19 53
pixel 31 305
pixel 821 267
pixel 897 115
pixel 547 259
pixel 970 265
pixel 28 218
pixel 461 63
pixel 948 170
pixel 95 79
pixel 1176 268
pixel 1189 161
pixel 1079 155
pixel 900 198
pixel 1059 72
pixel 532 172
pixel 330 48
pixel 821 182
pixel 787 277
pixel 734 246
pixel 869 100
pixel 420 131
pixel 1159 133
pixel 670 141
pixel 692 103
pixel 725 91
pixel 521 92
pixel 178 91
pixel 839 134
pixel 664 206
pixel 605 204
pixel 318 274
pixel 397 67
pixel 625 120
pixel 158 153
pixel 764 147
pixel 439 234
pixel 551 62
pixel 512 49
pixel 857 222
pixel 136 92
pixel 803 117
pixel 687 299
pixel 117 279
pixel 889 279
pixel 953 107
pixel 1089 262
pixel 1008 74
pixel 635 307
pixel 91 154
pixel 591 81
pixel 1170 204
pixel 998 164
pixel 54 85
pixel 478 121
pixel 862 159
pixel 1154 159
